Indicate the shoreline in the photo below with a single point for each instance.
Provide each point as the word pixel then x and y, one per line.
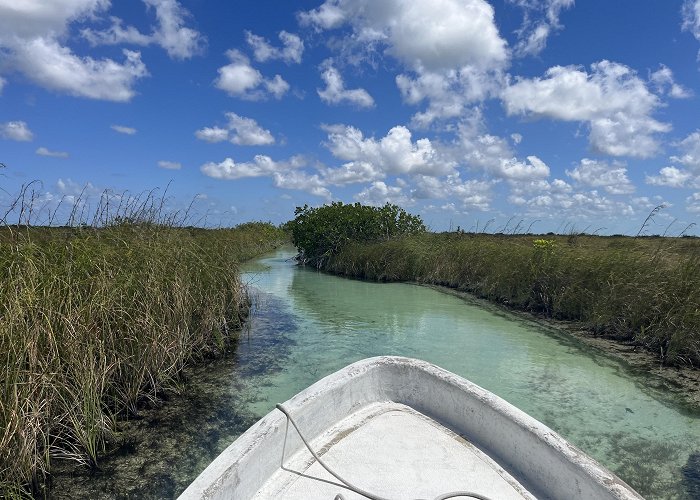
pixel 682 382
pixel 645 290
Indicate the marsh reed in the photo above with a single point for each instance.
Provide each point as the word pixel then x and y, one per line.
pixel 101 315
pixel 645 290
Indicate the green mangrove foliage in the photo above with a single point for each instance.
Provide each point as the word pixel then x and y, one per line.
pixel 642 290
pixel 94 321
pixel 320 233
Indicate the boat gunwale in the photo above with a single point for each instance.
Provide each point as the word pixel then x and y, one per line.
pixel 403 380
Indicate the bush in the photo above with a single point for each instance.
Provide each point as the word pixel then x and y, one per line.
pixel 319 233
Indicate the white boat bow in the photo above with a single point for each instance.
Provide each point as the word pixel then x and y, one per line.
pixel 400 428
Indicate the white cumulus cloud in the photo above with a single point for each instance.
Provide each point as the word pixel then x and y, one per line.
pixel 247 132
pixel 239 130
pixel 170 165
pixel 451 50
pixel 514 169
pixel 301 181
pixel 179 41
pixel 230 170
pixel 447 92
pixel 212 134
pixel 240 79
pixel 284 174
pixel 27 19
pixel 42 151
pixel 693 203
pixel 395 153
pixel 260 166
pixel 335 91
pixel 277 86
pixel 431 34
pixel 31 37
pixel 611 177
pixel 611 99
pixel 471 194
pixel 540 20
pixel 688 175
pixel 116 34
pixel 555 199
pixel 290 52
pixel 123 129
pixel 665 84
pixel 352 173
pixel 76 193
pixel 16 131
pixel 379 193
pixel 689 149
pixel 691 17
pixel 493 155
pixel 55 67
pixel 328 16
pixel 670 177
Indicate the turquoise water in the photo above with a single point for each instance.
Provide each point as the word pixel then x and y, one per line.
pixel 594 401
pixel 306 325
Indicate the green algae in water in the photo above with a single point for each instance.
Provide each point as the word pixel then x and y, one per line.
pixel 307 325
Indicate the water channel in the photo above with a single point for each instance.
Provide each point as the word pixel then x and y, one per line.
pixel 306 325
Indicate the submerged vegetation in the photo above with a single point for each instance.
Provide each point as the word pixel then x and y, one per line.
pixel 645 290
pixel 95 320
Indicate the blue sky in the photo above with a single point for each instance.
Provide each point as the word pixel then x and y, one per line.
pixel 560 114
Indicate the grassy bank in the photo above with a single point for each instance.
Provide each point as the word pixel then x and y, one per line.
pixel 94 321
pixel 645 290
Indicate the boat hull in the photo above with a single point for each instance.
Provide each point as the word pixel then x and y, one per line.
pixel 540 460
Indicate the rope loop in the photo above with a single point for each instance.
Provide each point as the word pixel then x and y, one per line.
pixel 348 484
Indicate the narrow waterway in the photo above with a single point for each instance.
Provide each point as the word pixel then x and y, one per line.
pixel 306 325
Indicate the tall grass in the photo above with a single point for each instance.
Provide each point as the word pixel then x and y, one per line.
pixel 94 320
pixel 645 290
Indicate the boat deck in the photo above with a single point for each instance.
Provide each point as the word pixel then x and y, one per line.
pixel 363 421
pixel 392 451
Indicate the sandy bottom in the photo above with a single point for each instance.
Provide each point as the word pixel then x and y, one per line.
pixel 683 382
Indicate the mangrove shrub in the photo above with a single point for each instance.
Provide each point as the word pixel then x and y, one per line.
pixel 322 232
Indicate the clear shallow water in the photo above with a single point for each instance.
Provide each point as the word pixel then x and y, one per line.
pixel 306 325
pixel 592 400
